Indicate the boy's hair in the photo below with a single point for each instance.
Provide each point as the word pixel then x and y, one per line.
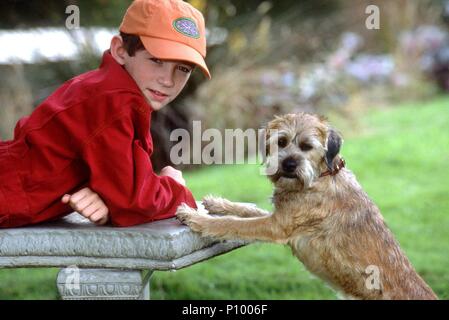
pixel 131 43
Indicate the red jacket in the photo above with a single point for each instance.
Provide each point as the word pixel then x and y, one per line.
pixel 92 131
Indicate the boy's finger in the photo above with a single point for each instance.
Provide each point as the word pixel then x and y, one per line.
pixel 83 203
pixel 103 220
pixel 98 215
pixel 90 209
pixel 95 217
pixel 65 198
pixel 88 212
pixel 77 196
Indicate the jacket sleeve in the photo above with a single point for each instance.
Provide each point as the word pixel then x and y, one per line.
pixel 19 126
pixel 122 174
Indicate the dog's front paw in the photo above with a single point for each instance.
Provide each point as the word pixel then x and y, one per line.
pixel 191 217
pixel 215 204
pixel 183 212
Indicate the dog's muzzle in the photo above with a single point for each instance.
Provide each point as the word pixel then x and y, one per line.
pixel 289 166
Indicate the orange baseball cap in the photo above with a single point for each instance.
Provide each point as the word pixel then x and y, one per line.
pixel 169 30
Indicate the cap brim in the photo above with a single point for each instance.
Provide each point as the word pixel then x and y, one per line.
pixel 171 50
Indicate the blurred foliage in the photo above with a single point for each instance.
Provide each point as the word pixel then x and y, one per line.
pixel 295 59
pixel 37 13
pixel 225 13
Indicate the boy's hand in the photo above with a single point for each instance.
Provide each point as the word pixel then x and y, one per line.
pixel 173 173
pixel 88 204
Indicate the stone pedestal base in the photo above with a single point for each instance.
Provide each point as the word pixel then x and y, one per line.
pixel 98 284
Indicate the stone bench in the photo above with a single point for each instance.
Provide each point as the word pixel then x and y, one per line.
pixel 101 262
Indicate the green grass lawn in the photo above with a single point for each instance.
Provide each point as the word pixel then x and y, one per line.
pixel 401 158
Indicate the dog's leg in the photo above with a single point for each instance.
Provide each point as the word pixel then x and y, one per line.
pixel 224 206
pixel 231 227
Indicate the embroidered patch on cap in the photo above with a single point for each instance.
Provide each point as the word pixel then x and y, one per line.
pixel 187 27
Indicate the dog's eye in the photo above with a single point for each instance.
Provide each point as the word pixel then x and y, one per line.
pixel 282 142
pixel 305 146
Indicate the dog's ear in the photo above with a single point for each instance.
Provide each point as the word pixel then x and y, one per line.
pixel 334 142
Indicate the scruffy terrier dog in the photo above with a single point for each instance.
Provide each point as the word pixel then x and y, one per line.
pixel 321 212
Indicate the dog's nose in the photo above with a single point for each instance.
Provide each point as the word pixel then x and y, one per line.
pixel 289 165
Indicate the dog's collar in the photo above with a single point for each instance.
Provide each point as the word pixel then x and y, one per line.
pixel 340 165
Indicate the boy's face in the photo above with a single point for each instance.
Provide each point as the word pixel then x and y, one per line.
pixel 160 81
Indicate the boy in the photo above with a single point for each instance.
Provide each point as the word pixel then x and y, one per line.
pixel 93 132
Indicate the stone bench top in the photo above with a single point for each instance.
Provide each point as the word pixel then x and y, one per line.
pixel 74 240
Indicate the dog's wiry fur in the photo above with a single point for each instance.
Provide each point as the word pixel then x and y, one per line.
pixel 332 226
